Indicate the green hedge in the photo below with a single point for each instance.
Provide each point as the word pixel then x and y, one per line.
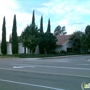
pixel 35 55
pixel 39 55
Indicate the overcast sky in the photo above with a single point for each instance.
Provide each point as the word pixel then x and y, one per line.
pixel 73 14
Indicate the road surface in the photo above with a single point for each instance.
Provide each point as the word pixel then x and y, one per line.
pixel 57 73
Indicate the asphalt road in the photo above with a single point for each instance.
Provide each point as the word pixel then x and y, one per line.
pixel 58 73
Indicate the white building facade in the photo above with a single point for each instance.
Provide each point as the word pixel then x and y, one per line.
pixel 20 49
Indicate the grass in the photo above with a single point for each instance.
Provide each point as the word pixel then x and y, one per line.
pixel 7 56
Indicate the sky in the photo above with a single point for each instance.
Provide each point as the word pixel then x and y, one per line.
pixel 73 14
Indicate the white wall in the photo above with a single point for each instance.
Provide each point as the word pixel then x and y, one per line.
pixel 64 47
pixel 37 50
pixel 9 49
pixel 69 44
pixel 0 48
pixel 27 51
pixel 20 48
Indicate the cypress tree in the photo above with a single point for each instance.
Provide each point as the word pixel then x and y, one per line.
pixel 41 24
pixel 3 43
pixel 48 27
pixel 33 18
pixel 41 47
pixel 14 37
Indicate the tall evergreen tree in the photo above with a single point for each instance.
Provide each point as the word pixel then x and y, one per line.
pixel 41 24
pixel 14 37
pixel 3 43
pixel 49 27
pixel 41 48
pixel 33 18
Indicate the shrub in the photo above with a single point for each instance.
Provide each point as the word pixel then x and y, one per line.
pixel 63 52
pixel 53 52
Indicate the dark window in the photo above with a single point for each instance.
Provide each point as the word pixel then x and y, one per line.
pixel 69 49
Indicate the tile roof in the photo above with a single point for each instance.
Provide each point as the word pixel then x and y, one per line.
pixel 62 39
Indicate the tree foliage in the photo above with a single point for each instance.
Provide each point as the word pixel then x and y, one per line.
pixel 49 43
pixel 41 25
pixel 14 37
pixel 41 35
pixel 76 37
pixel 18 37
pixel 60 30
pixel 41 43
pixel 49 27
pixel 3 43
pixel 33 18
pixel 86 38
pixel 30 37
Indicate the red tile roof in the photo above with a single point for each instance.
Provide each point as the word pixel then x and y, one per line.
pixel 62 39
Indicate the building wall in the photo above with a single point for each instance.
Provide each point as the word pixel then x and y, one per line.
pixel 37 50
pixel 64 47
pixel 9 49
pixel 69 44
pixel 21 48
pixel 0 49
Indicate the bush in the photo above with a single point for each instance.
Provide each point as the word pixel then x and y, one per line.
pixel 53 52
pixel 63 52
pixel 34 55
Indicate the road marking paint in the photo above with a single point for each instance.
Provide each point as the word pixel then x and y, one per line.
pixel 63 67
pixel 19 64
pixel 67 67
pixel 34 85
pixel 46 73
pixel 32 66
pixel 75 68
pixel 83 64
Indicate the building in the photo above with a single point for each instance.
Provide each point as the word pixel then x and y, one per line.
pixel 64 43
pixel 20 49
